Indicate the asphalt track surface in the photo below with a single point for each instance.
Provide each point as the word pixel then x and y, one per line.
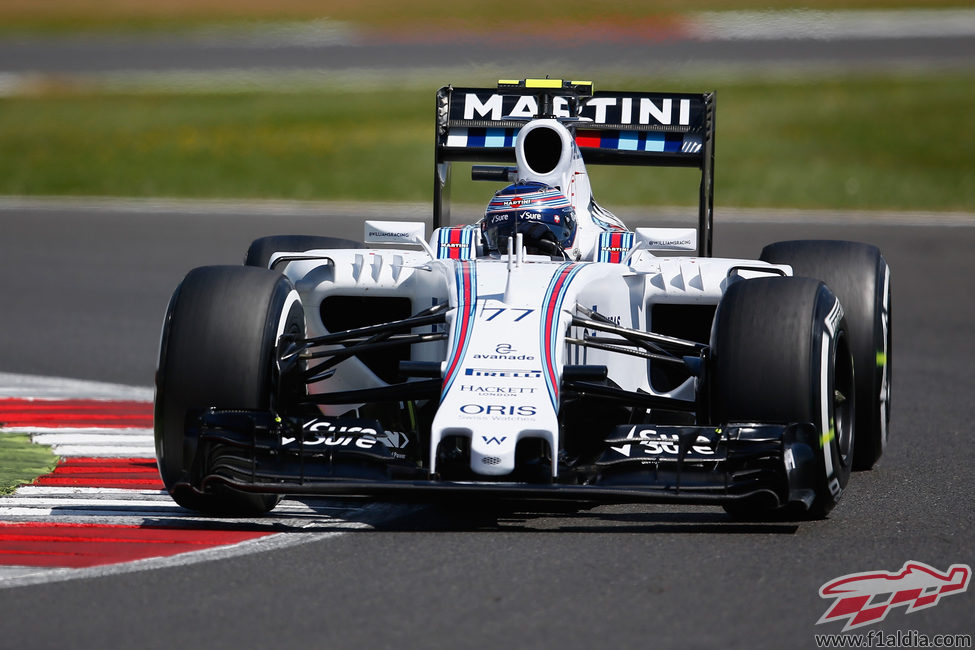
pixel 84 292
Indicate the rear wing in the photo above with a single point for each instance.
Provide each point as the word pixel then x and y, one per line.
pixel 611 128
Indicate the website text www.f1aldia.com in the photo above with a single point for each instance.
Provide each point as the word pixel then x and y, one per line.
pixel 898 639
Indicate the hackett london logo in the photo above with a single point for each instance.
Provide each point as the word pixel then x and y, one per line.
pixel 866 598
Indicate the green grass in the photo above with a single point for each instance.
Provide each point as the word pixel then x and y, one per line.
pixel 21 461
pixel 898 142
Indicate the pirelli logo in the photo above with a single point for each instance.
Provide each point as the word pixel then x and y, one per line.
pixel 507 372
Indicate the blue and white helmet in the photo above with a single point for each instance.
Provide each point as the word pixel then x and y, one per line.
pixel 542 214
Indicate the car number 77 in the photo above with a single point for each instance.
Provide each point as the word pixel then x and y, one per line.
pixel 499 310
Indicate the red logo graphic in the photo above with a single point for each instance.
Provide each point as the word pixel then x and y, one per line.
pixel 865 598
pixel 517 202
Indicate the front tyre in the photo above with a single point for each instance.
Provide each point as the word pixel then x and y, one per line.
pixel 218 350
pixel 781 355
pixel 859 276
pixel 261 250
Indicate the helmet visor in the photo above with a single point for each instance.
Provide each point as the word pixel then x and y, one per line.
pixel 499 226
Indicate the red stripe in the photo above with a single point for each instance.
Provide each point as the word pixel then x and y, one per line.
pixel 615 241
pixel 925 600
pixel 588 139
pixel 847 606
pixel 85 545
pixel 16 412
pixel 869 614
pixel 549 316
pixel 464 325
pixel 131 473
pixel 126 483
pixel 109 462
pixel 905 596
pixel 50 544
pixel 454 237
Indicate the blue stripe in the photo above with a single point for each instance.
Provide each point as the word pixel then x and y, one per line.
pixel 494 138
pixel 443 238
pixel 603 241
pixel 475 137
pixel 654 142
pixel 626 243
pixel 609 140
pixel 674 142
pixel 465 312
pixel 629 140
pixel 555 323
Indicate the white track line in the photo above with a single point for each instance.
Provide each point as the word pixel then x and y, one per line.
pixel 21 576
pixel 810 24
pixel 96 438
pixel 39 387
pixel 100 451
pixel 305 520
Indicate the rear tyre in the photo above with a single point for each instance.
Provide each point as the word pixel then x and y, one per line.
pixel 859 276
pixel 217 349
pixel 781 355
pixel 261 250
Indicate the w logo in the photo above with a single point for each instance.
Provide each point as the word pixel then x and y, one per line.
pixel 493 440
pixel 865 598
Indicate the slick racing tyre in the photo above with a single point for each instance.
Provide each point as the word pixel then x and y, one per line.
pixel 261 250
pixel 781 355
pixel 217 349
pixel 859 276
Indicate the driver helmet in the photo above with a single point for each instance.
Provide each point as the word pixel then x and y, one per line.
pixel 542 214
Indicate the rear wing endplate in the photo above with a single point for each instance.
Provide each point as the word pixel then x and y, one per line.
pixel 611 128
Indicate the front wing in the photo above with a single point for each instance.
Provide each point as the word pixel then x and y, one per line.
pixel 255 451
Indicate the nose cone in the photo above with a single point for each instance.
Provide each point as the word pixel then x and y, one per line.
pixel 493 455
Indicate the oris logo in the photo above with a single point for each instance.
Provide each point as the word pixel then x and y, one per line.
pixel 498 409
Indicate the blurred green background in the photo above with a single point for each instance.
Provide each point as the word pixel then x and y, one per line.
pixel 847 139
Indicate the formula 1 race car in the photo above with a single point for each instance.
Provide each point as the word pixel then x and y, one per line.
pixel 545 352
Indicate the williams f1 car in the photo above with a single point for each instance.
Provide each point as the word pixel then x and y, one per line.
pixel 545 352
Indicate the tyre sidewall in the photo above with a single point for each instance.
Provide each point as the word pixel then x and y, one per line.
pixel 835 448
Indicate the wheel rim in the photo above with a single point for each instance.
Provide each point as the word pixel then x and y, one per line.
pixel 843 402
pixel 883 361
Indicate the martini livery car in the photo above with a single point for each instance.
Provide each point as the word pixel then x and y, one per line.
pixel 545 352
